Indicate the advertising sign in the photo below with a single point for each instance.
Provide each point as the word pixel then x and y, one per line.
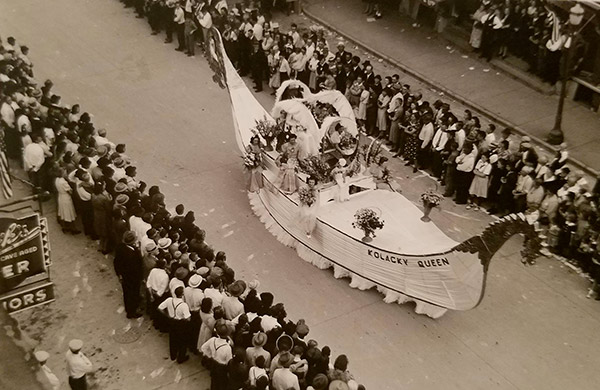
pixel 28 297
pixel 23 250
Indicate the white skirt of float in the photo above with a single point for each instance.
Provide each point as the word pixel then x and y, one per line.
pixel 321 262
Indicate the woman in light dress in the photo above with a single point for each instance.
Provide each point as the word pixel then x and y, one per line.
pixel 339 176
pixel 308 212
pixel 307 146
pixel 480 183
pixel 382 105
pixel 208 322
pixel 256 178
pixel 66 209
pixel 313 65
pixel 286 180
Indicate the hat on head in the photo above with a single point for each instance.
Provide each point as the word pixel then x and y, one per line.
pixel 150 247
pixel 102 132
pixel 237 288
pixel 342 162
pixel 102 150
pixel 338 385
pixel 526 144
pixel 525 138
pixel 286 359
pixel 164 243
pixel 195 280
pixel 119 162
pixel 41 356
pixel 203 271
pixel 274 25
pixel 177 254
pixel 75 345
pixel 181 273
pixel 312 343
pixel 122 199
pixel 302 328
pixel 253 285
pixel 259 339
pixel 121 187
pixel 320 382
pixel 129 237
pixel 285 343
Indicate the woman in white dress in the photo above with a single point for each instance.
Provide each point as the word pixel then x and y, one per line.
pixel 339 176
pixel 66 209
pixel 308 212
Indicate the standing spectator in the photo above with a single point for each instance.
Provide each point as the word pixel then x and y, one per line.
pixel 179 315
pixel 412 141
pixel 479 185
pixel 78 365
pixel 101 205
pixel 425 137
pixel 179 23
pixel 208 321
pixel 205 19
pixel 283 378
pixel 190 37
pixel 128 266
pixel 34 158
pixel 157 285
pixel 523 187
pixel 194 296
pixel 382 105
pixel 465 162
pixel 45 374
pixel 66 210
pixel 218 351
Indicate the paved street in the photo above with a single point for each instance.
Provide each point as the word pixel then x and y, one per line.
pixel 534 329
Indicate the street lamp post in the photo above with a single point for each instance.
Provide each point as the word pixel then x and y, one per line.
pixel 556 135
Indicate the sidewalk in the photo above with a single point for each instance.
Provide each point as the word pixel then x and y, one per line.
pixel 462 77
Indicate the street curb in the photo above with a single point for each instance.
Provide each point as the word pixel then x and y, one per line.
pixel 473 106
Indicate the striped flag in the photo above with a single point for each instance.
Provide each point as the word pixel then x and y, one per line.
pixel 7 191
pixel 556 41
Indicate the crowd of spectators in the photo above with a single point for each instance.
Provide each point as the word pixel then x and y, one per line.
pixel 161 258
pixel 479 165
pixel 522 28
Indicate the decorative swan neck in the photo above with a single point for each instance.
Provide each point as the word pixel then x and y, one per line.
pixel 488 242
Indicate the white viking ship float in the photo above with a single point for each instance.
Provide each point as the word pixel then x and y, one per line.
pixel 408 260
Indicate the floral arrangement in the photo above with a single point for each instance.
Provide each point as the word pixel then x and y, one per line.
pixel 307 196
pixel 371 152
pixel 251 161
pixel 367 220
pixel 321 110
pixel 267 128
pixel 432 198
pixel 353 167
pixel 315 166
pixel 347 141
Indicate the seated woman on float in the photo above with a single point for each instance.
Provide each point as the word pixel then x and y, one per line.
pixel 382 176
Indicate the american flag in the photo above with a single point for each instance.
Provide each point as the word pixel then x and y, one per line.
pixel 7 191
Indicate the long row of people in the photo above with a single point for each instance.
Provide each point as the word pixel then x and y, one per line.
pixel 161 258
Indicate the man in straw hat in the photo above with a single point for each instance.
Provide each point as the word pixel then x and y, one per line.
pixel 217 352
pixel 284 378
pixel 258 342
pixel 128 265
pixel 78 365
pixel 193 296
pixel 44 375
pixel 179 314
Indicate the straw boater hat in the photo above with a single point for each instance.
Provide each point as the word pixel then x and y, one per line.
pixel 259 339
pixel 203 271
pixel 122 199
pixel 195 281
pixel 119 162
pixel 121 187
pixel 164 243
pixel 150 247
pixel 102 150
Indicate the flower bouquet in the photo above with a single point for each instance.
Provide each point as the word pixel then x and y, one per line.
pixel 368 221
pixel 250 161
pixel 268 130
pixel 307 196
pixel 430 199
pixel 348 144
pixel 320 111
pixel 315 166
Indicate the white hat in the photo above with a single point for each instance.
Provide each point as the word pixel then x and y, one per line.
pixel 342 162
pixel 195 280
pixel 75 345
pixel 41 356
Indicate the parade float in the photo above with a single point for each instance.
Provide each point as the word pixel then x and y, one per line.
pixel 409 259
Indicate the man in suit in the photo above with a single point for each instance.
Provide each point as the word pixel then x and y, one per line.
pixel 128 267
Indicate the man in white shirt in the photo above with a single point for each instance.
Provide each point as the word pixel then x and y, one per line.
pixel 157 285
pixel 34 158
pixel 179 20
pixel 193 296
pixel 284 378
pixel 179 315
pixel 231 303
pixel 205 19
pixel 78 365
pixel 219 351
pixel 45 374
pixel 437 147
pixel 425 136
pixel 465 163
